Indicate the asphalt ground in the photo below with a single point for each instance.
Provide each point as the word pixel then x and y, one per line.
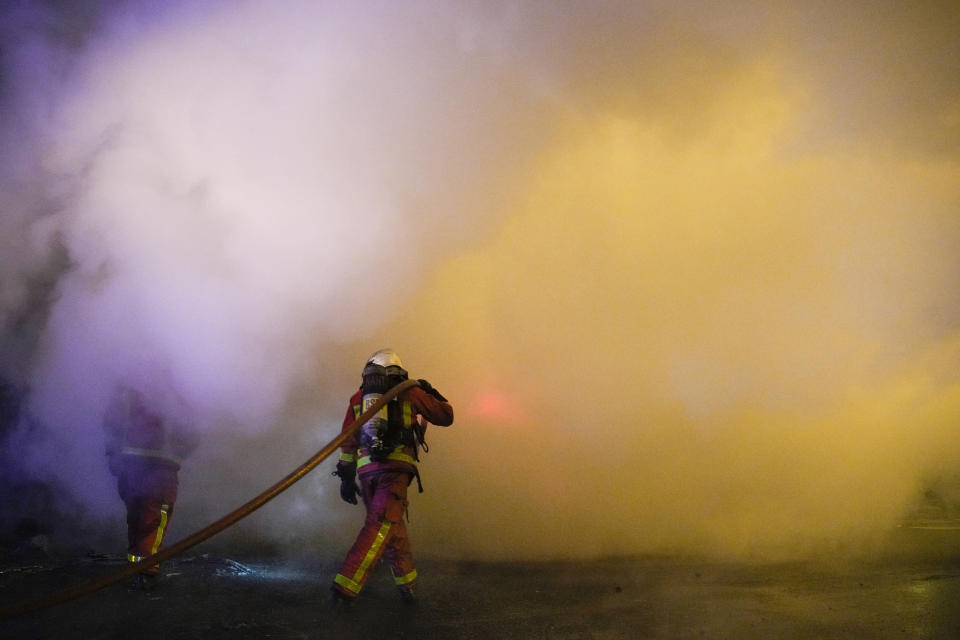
pixel 910 591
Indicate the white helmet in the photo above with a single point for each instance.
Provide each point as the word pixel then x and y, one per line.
pixel 385 358
pixel 385 362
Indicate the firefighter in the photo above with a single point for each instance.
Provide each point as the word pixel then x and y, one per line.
pixel 383 454
pixel 144 452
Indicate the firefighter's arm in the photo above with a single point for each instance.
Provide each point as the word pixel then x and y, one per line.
pixel 184 439
pixel 347 465
pixel 431 405
pixel 348 450
pixel 114 426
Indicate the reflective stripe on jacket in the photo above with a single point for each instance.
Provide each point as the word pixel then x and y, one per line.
pixel 401 453
pixel 156 454
pixel 413 401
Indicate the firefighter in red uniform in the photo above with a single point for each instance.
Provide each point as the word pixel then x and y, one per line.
pixel 384 454
pixel 144 452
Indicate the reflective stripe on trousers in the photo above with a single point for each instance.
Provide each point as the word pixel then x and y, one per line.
pixel 148 543
pixel 384 533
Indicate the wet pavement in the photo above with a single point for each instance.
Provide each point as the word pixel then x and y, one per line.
pixel 910 592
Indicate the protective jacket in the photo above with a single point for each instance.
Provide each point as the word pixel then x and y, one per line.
pixel 136 431
pixel 412 402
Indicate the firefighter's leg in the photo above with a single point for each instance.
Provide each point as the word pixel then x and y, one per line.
pixel 398 551
pixel 148 515
pixel 384 512
pixel 401 562
pixel 134 526
pixel 147 524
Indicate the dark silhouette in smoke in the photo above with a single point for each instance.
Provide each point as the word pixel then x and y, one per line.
pixel 144 452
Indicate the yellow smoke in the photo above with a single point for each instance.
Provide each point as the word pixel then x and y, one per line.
pixel 713 340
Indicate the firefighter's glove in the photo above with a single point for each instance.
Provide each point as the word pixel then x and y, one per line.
pixel 426 386
pixel 349 491
pixel 348 481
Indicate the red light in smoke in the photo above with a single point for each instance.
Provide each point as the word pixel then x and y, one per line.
pixel 492 404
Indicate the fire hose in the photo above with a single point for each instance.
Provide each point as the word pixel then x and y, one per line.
pixel 91 586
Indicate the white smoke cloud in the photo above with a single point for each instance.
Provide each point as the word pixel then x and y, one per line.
pixel 238 181
pixel 238 184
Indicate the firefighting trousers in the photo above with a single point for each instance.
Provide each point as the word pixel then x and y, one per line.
pixel 148 490
pixel 384 533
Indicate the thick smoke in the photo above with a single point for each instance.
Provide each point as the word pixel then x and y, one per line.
pixel 722 318
pixel 238 186
pixel 685 273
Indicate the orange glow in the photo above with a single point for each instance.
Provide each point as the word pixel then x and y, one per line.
pixel 493 404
